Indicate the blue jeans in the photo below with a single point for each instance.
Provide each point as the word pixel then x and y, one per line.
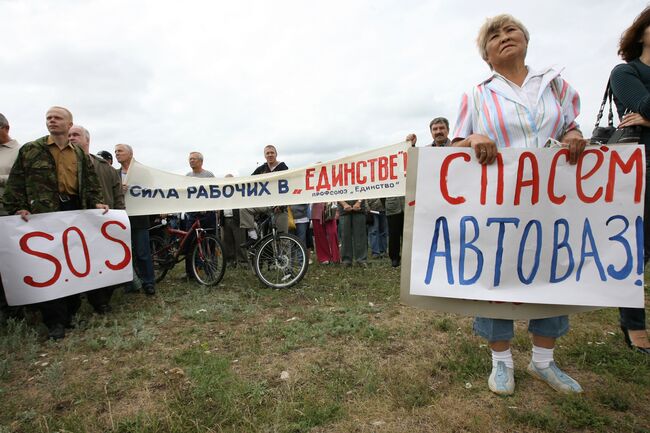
pixel 378 234
pixel 142 255
pixel 502 329
pixel 301 232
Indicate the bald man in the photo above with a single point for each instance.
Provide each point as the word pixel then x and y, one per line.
pixel 108 177
pixel 142 261
pixel 113 196
pixel 50 175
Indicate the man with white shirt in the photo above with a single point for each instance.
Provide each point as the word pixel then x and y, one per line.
pixel 8 153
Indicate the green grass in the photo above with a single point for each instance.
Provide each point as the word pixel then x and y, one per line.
pixel 338 353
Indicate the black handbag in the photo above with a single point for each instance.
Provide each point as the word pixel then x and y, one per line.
pixel 610 134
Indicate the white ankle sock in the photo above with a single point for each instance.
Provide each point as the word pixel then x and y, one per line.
pixel 252 234
pixel 542 357
pixel 505 356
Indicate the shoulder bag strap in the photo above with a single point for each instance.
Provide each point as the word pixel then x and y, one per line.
pixel 610 115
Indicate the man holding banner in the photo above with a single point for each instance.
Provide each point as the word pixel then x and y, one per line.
pixel 143 262
pixel 50 175
pixel 247 215
pixel 111 186
pixel 439 128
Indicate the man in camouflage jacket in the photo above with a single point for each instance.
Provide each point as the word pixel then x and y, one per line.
pixel 33 184
pixel 49 175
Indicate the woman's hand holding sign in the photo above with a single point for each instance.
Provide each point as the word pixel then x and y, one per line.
pixel 485 149
pixel 576 144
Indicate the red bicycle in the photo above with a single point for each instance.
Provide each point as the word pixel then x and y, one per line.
pixel 204 250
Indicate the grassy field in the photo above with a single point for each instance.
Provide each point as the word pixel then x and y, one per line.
pixel 336 354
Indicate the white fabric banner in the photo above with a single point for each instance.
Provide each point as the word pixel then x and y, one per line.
pixel 62 253
pixel 528 229
pixel 372 174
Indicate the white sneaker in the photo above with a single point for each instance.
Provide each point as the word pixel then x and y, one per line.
pixel 555 378
pixel 502 379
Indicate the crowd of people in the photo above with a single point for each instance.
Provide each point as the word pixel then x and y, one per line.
pixel 517 106
pixel 57 172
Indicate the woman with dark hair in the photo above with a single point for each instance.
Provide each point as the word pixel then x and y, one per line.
pixel 519 107
pixel 631 88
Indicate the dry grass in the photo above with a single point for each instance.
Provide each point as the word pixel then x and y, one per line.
pixel 195 359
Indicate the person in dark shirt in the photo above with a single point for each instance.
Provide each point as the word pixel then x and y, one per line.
pixel 630 84
pixel 247 215
pixel 111 187
pixel 140 224
pixel 439 128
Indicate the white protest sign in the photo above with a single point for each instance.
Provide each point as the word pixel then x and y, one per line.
pixel 62 253
pixel 528 229
pixel 371 174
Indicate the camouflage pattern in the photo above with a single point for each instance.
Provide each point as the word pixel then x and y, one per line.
pixel 32 183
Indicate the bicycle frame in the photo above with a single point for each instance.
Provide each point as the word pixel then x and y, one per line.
pixel 265 228
pixel 176 244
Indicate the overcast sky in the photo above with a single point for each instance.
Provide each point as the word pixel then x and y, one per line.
pixel 317 79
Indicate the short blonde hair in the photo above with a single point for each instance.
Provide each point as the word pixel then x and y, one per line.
pixel 493 24
pixel 65 110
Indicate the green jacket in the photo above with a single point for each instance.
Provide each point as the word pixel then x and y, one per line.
pixel 110 182
pixel 33 185
pixel 394 205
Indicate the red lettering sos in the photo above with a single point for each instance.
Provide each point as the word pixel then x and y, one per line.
pixel 72 235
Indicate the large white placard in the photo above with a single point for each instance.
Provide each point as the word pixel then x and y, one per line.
pixel 59 254
pixel 528 229
pixel 371 174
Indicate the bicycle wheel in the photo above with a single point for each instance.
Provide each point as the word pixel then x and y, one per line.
pixel 208 264
pixel 281 262
pixel 160 256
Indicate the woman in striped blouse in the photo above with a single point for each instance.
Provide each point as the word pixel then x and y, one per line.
pixel 518 107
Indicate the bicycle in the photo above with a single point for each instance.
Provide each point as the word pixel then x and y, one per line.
pixel 278 259
pixel 206 252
